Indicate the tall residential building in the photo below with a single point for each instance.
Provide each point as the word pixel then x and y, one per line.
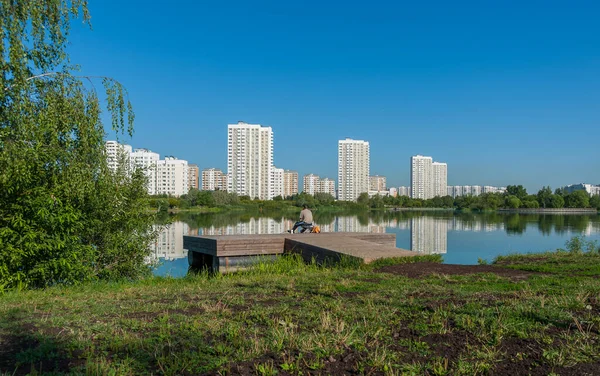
pixel 440 179
pixel 117 153
pixel 290 183
pixel 353 169
pixel 421 176
pixel 172 177
pixel 147 160
pixel 377 183
pixel 311 184
pixel 193 176
pixel 327 186
pixel 428 179
pixel 249 160
pixel 277 182
pixel 404 191
pixel 213 179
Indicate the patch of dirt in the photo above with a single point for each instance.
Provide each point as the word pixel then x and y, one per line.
pixel 424 269
pixel 12 348
pixel 525 357
pixel 347 363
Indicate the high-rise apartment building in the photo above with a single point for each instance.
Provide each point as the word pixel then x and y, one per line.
pixel 116 154
pixel 327 186
pixel 404 191
pixel 249 160
pixel 172 177
pixel 147 160
pixel 428 179
pixel 377 183
pixel 277 182
pixel 421 177
pixel 213 179
pixel 290 183
pixel 311 184
pixel 193 176
pixel 440 179
pixel 353 169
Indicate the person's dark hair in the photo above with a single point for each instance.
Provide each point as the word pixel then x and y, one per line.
pixel 304 206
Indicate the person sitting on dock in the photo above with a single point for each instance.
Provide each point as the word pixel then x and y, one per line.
pixel 306 219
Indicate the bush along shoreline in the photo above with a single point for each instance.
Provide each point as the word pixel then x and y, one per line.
pixel 521 314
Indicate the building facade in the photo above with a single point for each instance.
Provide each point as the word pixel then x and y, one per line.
pixel 118 154
pixel 277 182
pixel 213 179
pixel 353 169
pixel 311 184
pixel 249 160
pixel 440 179
pixel 172 177
pixel 404 191
pixel 193 176
pixel 327 186
pixel 290 183
pixel 147 160
pixel 377 183
pixel 421 173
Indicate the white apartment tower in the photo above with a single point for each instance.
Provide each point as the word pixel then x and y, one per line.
pixel 147 160
pixel 290 183
pixel 249 160
pixel 117 153
pixel 327 186
pixel 353 169
pixel 172 177
pixel 213 179
pixel 311 184
pixel 440 179
pixel 421 177
pixel 277 182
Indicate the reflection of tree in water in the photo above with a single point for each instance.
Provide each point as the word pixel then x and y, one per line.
pixel 514 223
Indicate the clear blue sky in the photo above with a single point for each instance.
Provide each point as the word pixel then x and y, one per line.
pixel 505 92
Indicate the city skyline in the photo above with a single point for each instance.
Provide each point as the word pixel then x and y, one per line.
pixel 521 102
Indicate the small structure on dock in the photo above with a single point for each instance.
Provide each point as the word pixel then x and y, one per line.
pixel 229 252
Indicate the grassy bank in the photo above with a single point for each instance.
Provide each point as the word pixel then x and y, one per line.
pixel 536 314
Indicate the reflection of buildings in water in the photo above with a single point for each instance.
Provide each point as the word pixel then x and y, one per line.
pixel 429 235
pixel 457 224
pixel 169 243
pixel 352 224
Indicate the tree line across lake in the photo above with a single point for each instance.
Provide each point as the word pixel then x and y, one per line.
pixel 515 197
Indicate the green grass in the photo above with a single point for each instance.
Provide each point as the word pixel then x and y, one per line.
pixel 289 317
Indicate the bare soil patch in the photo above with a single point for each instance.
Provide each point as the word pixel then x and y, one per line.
pixel 424 269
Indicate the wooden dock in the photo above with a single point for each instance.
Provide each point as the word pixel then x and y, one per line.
pixel 228 252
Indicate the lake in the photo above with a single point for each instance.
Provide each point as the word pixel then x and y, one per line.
pixel 462 238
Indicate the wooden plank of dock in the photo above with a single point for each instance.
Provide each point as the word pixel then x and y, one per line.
pixel 323 248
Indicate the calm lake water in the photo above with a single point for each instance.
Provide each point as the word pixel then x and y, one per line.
pixel 460 238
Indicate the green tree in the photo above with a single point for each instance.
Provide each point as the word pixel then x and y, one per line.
pixel 512 202
pixel 65 217
pixel 577 199
pixel 544 197
pixel 516 190
pixel 363 199
pixel 595 201
pixel 556 201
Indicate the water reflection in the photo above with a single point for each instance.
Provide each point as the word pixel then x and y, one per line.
pixel 462 238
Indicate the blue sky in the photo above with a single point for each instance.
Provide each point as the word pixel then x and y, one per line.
pixel 504 92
